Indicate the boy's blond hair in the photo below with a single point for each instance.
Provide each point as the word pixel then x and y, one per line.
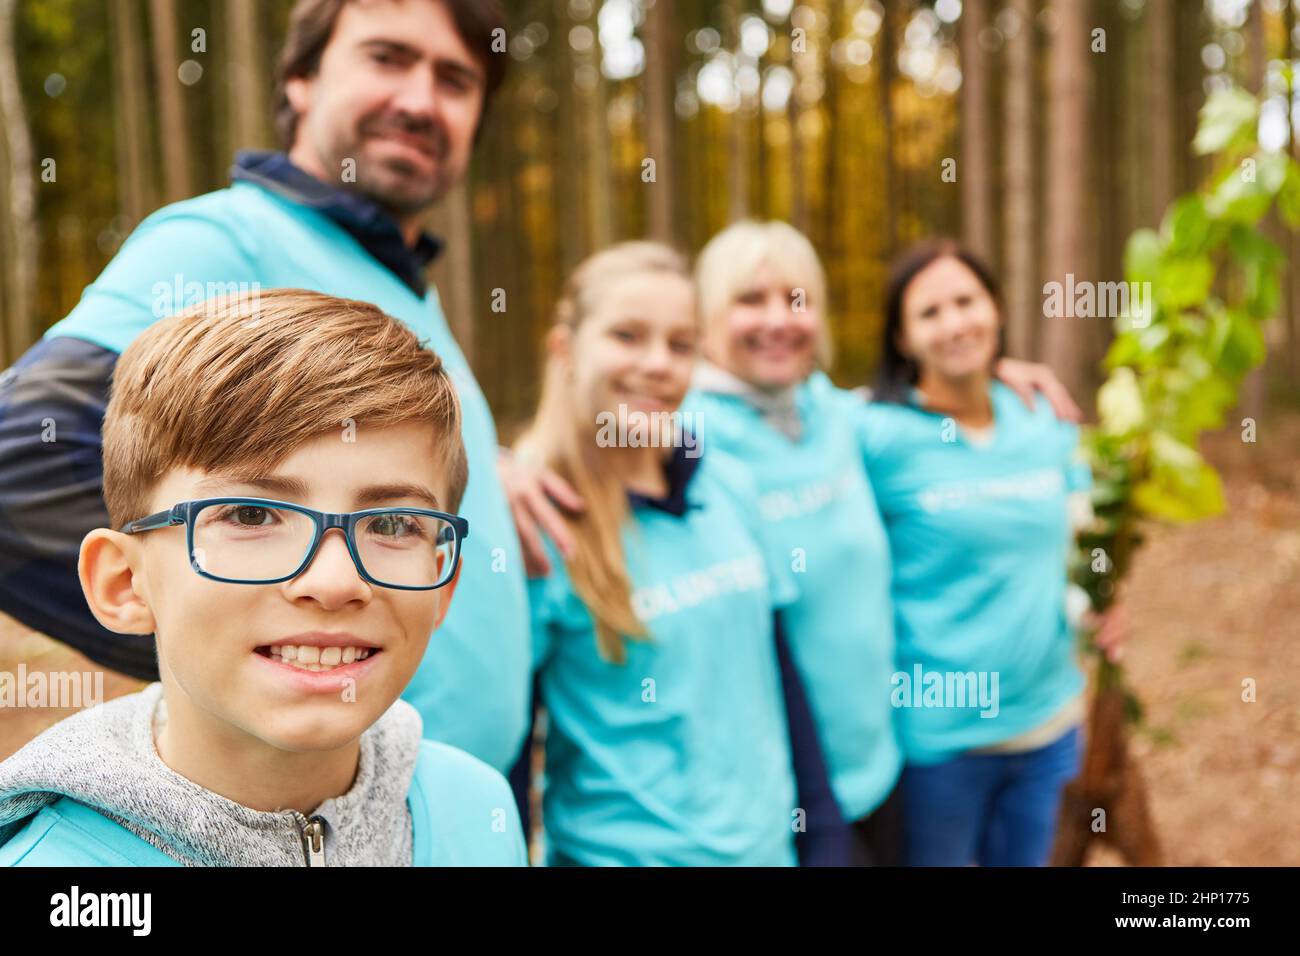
pixel 245 380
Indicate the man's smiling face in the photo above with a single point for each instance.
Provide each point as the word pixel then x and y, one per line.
pixel 214 638
pixel 397 93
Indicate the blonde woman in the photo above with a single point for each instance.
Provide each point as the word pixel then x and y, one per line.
pixel 764 400
pixel 654 645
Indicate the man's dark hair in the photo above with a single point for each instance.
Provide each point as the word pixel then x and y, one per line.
pixel 311 25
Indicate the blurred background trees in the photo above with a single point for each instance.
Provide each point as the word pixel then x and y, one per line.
pixel 1042 132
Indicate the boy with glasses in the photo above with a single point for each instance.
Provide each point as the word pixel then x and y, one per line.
pixel 238 437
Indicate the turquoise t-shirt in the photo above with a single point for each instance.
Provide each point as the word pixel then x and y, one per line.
pixel 681 755
pixel 980 537
pixel 820 518
pixel 472 687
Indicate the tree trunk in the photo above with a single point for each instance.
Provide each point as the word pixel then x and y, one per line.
pixel 1159 86
pixel 175 143
pixel 738 132
pixel 567 153
pixel 1110 782
pixel 1291 280
pixel 1254 388
pixel 454 272
pixel 19 267
pixel 1019 237
pixel 976 169
pixel 598 196
pixel 130 107
pixel 798 178
pixel 1190 36
pixel 1069 80
pixel 247 89
pixel 659 119
pixel 888 171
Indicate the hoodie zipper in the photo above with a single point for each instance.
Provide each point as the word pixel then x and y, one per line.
pixel 313 841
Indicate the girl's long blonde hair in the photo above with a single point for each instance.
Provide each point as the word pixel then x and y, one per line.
pixel 562 438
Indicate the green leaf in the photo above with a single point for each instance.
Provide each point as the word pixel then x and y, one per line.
pixel 1186 226
pixel 1272 168
pixel 1205 406
pixel 1119 403
pixel 1184 282
pixel 1168 453
pixel 1228 118
pixel 1241 343
pixel 1239 196
pixel 1142 256
pixel 1288 197
pixel 1181 497
pixel 1126 349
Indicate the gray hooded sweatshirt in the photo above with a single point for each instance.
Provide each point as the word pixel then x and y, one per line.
pixel 105 758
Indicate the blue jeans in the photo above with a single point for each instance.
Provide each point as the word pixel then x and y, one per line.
pixel 990 809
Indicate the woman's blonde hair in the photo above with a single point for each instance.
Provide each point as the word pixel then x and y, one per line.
pixel 562 438
pixel 726 267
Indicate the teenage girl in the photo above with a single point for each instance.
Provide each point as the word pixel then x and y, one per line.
pixel 657 664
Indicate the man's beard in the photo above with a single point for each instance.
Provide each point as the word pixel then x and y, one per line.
pixel 393 183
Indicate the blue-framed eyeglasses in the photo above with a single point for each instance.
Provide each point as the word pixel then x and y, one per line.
pixel 262 541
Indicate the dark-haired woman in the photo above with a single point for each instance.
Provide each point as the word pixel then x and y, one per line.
pixel 976 492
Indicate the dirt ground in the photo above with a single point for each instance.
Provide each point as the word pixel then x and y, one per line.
pixel 1212 605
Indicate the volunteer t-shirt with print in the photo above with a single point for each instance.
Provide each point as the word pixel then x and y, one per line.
pixel 819 516
pixel 679 756
pixel 979 535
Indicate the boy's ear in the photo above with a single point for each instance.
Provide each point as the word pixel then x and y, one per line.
pixel 446 592
pixel 107 580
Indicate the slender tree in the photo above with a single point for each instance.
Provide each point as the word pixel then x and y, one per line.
pixel 175 143
pixel 888 166
pixel 1158 90
pixel 1291 304
pixel 799 217
pixel 598 192
pixel 975 172
pixel 738 129
pixel 247 90
pixel 454 273
pixel 19 268
pixel 1019 243
pixel 130 107
pixel 658 82
pixel 1069 80
pixel 1255 388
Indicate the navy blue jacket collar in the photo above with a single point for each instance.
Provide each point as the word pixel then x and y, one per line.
pixel 365 220
pixel 679 470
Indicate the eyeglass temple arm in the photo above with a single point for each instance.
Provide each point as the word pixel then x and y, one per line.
pixel 161 519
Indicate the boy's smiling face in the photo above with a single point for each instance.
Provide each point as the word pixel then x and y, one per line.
pixel 214 637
